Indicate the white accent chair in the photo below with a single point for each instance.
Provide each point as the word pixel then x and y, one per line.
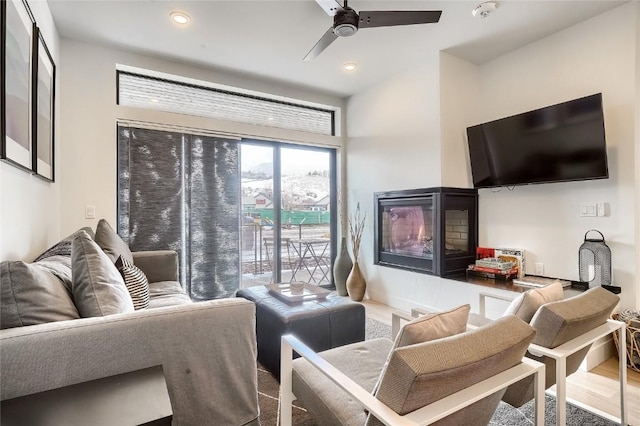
pixel 566 329
pixel 452 381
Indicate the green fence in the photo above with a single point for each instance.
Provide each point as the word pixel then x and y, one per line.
pixel 290 217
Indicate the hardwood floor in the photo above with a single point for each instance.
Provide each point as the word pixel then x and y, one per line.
pixel 596 388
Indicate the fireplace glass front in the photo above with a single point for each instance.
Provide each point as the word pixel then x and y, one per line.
pixel 431 230
pixel 407 228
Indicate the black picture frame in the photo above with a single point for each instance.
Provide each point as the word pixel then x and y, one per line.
pixel 44 85
pixel 16 81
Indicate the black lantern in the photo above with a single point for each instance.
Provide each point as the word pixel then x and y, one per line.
pixel 594 261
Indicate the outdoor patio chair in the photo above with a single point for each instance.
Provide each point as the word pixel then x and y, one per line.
pixel 287 258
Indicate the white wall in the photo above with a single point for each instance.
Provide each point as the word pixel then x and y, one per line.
pixel 459 94
pixel 637 204
pixel 29 206
pixel 393 132
pixel 598 55
pixel 595 56
pixel 89 115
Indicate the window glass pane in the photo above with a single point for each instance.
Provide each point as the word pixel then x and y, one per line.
pixel 306 187
pixel 256 171
pixel 152 93
pixel 305 239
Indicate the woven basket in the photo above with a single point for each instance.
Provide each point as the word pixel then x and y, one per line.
pixel 633 342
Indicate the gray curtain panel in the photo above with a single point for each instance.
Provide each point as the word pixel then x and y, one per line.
pixel 181 192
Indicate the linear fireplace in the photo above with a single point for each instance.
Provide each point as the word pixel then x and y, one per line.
pixel 430 230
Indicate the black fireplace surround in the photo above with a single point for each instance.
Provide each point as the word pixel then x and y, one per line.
pixel 429 230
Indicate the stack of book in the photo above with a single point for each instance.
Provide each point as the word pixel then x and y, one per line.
pixel 494 268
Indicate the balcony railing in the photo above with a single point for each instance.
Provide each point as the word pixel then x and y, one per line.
pixel 305 253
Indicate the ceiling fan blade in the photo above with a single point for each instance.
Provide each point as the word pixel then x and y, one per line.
pixel 329 6
pixel 402 17
pixel 328 38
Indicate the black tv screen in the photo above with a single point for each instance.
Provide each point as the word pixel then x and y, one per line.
pixel 563 142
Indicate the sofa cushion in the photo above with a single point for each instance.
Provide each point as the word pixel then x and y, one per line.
pixel 34 294
pixel 111 242
pixel 98 288
pixel 63 248
pixel 167 293
pixel 136 282
pixel 526 305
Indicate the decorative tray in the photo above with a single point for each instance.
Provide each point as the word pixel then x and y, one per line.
pixel 297 292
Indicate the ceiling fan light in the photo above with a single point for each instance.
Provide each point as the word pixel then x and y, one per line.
pixel 345 30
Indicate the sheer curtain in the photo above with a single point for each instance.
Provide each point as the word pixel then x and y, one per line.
pixel 181 192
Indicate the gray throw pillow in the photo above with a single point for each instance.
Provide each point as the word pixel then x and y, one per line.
pixel 111 242
pixel 136 282
pixel 63 248
pixel 98 288
pixel 33 294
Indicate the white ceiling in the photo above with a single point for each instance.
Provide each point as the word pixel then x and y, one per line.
pixel 269 38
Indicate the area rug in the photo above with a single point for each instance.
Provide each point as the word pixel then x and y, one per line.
pixel 505 415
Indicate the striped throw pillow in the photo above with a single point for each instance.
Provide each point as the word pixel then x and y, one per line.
pixel 136 282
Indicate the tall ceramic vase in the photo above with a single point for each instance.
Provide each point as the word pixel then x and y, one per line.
pixel 341 268
pixel 356 285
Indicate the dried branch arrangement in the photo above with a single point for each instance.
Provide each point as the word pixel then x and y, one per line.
pixel 356 226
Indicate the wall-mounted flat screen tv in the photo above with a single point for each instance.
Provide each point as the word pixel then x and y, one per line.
pixel 563 142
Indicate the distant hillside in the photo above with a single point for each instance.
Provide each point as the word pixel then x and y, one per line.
pixel 295 189
pixel 261 171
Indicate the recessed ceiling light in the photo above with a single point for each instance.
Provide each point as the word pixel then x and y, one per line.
pixel 180 18
pixel 155 101
pixel 270 118
pixel 349 66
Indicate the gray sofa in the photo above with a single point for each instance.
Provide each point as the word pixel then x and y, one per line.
pixel 207 350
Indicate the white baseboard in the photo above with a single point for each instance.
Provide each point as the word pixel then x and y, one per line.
pixel 399 303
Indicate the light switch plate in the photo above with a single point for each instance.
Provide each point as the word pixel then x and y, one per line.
pixel 90 212
pixel 588 210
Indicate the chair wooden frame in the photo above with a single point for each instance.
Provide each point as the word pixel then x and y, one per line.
pixel 423 416
pixel 562 352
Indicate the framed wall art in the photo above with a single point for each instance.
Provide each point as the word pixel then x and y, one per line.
pixel 43 110
pixel 18 44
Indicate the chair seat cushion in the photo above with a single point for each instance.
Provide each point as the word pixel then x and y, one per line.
pixel 527 304
pixel 327 403
pixel 432 326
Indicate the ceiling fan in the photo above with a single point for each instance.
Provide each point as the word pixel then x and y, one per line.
pixel 347 21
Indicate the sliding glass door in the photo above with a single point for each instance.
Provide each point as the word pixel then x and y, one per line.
pixel 288 213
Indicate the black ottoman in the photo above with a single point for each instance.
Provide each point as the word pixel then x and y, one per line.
pixel 321 324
